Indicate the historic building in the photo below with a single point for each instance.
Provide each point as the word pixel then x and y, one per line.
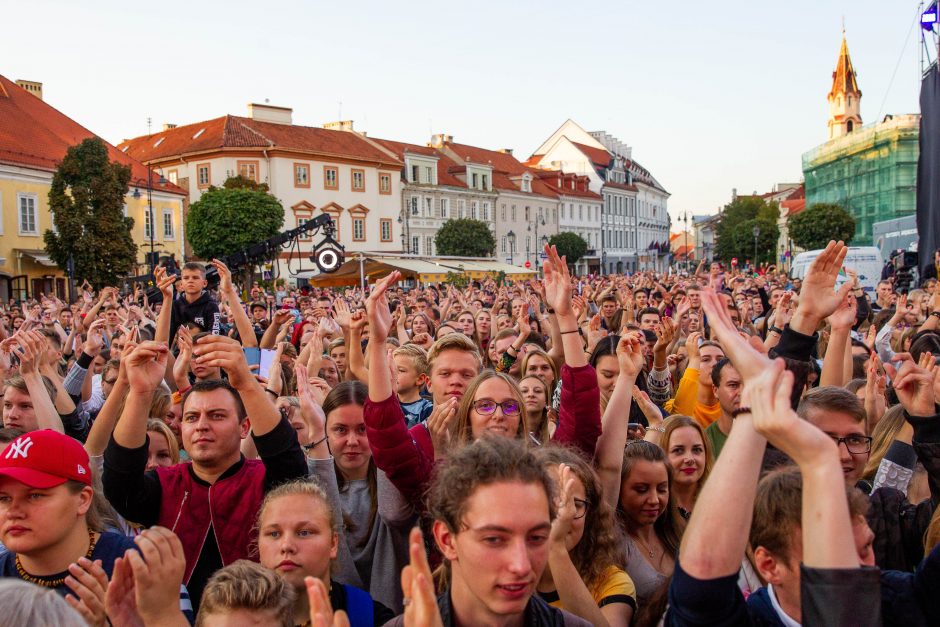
pixel 526 208
pixel 332 170
pixel 434 190
pixel 634 222
pixel 870 170
pixel 34 137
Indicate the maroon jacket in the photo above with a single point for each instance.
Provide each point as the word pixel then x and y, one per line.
pixel 407 456
pixel 230 505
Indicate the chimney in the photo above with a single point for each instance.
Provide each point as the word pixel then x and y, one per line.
pixel 33 87
pixel 505 151
pixel 440 139
pixel 340 125
pixel 167 126
pixel 270 113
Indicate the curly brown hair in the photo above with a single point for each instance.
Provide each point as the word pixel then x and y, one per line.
pixel 602 544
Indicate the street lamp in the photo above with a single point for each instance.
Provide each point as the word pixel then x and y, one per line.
pixel 538 221
pixel 685 228
pixel 512 244
pixel 756 233
pixel 136 195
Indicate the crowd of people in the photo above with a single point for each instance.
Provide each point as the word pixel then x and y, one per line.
pixel 705 447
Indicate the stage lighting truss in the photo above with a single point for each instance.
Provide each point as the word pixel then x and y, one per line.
pixel 327 253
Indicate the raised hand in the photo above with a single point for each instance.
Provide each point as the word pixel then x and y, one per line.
pixel 664 335
pixel 380 317
pixel 226 353
pixel 225 276
pixel 564 506
pixel 557 282
pixel 165 283
pixel 630 354
pixel 89 582
pixel 768 396
pixel 440 425
pixel 310 402
pixel 146 367
pixel 820 299
pixel 748 360
pixel 158 573
pixel 417 586
pixel 321 612
pixel 843 318
pixel 423 340
pixel 914 385
pixel 341 313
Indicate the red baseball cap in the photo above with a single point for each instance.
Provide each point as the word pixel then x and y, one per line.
pixel 45 459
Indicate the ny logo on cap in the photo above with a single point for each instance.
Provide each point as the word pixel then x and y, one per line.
pixel 19 448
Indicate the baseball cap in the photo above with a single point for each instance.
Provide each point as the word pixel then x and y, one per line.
pixel 45 459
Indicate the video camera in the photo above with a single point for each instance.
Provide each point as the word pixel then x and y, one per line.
pixel 905 270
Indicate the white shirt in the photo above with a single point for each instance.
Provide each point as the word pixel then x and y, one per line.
pixel 789 622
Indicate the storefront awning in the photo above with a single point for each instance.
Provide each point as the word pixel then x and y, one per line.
pixel 38 256
pixel 423 269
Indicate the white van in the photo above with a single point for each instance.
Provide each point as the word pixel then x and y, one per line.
pixel 864 260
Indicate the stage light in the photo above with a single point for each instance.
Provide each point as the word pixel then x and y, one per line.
pixel 928 19
pixel 328 255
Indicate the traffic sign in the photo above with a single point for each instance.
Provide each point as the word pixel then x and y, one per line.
pixel 543 256
pixel 528 265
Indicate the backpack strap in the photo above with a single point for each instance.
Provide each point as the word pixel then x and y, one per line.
pixel 359 607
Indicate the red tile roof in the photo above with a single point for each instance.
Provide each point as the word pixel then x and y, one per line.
pixel 550 179
pixel 795 202
pixel 445 165
pixel 33 134
pixel 624 186
pixel 598 156
pixel 237 132
pixel 504 166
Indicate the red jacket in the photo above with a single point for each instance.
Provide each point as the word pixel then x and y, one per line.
pixel 407 456
pixel 230 505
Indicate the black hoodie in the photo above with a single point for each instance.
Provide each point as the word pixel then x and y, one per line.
pixel 204 311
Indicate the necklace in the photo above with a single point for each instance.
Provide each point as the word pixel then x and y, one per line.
pixel 644 545
pixel 46 582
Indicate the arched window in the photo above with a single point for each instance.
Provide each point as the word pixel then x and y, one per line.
pixel 849 126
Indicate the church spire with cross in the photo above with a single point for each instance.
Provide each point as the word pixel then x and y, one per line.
pixel 845 96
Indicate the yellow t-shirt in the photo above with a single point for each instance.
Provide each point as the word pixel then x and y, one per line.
pixel 686 400
pixel 613 586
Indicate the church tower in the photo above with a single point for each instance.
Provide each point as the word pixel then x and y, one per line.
pixel 844 97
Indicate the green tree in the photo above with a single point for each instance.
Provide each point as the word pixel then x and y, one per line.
pixel 735 237
pixel 570 245
pixel 814 227
pixel 243 182
pixel 465 238
pixel 86 199
pixel 229 219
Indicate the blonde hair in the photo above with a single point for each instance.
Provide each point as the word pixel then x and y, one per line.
pixel 244 585
pixel 882 436
pixel 300 487
pixel 158 426
pixel 417 356
pixel 453 341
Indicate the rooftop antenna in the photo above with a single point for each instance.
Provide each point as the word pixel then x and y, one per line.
pixel 149 122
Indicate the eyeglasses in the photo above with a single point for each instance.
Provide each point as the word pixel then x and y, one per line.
pixel 580 508
pixel 487 407
pixel 855 444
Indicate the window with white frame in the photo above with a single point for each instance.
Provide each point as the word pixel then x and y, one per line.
pixel 444 207
pixel 486 182
pixel 502 243
pixel 460 209
pixel 415 240
pixel 148 227
pixel 359 229
pixel 473 210
pixel 414 205
pixel 486 211
pixel 168 224
pixel 428 177
pixel 513 212
pixel 429 245
pixel 28 217
pixel 428 206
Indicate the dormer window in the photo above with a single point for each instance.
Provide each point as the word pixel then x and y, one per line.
pixel 414 174
pixel 485 180
pixel 526 184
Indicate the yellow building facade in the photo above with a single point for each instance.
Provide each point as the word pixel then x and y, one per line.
pixel 33 139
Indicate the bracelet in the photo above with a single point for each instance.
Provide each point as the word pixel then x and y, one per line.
pixel 740 411
pixel 776 329
pixel 935 313
pixel 308 447
pixel 572 331
pixel 660 429
pixel 271 392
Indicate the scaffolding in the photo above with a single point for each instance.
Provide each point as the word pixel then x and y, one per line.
pixel 872 172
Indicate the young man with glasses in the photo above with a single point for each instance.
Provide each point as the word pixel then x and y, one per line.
pixel 840 415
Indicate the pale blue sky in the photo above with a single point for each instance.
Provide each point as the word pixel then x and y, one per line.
pixel 712 96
